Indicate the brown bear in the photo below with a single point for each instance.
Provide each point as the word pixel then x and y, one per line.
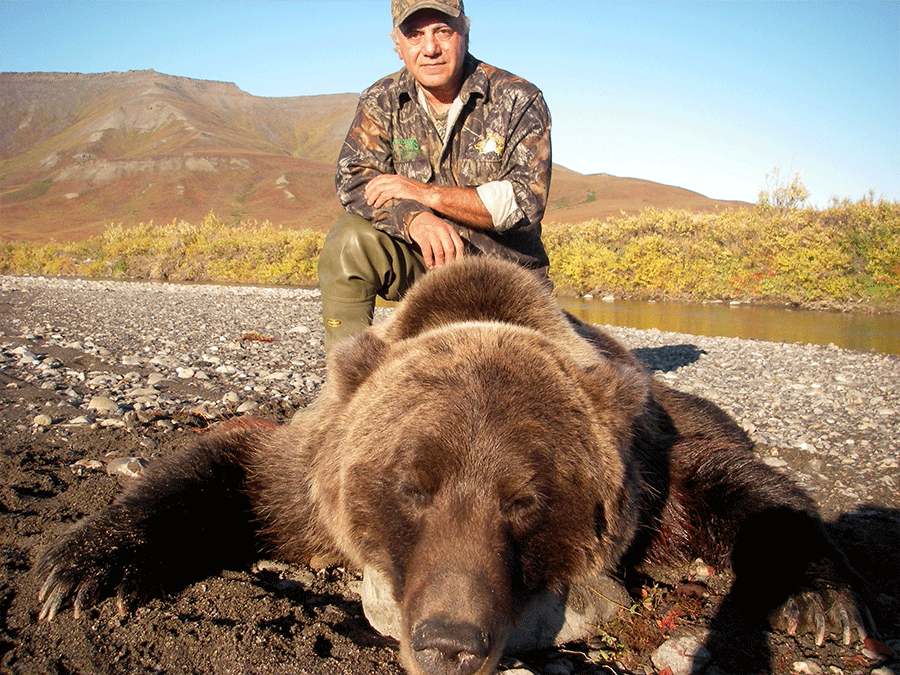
pixel 476 449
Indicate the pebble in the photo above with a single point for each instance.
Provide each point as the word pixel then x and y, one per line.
pixel 102 404
pixel 683 655
pixel 87 464
pixel 886 670
pixel 127 467
pixel 42 420
pixel 807 668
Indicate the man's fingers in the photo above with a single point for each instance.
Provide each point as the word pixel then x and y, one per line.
pixel 438 240
pixel 386 187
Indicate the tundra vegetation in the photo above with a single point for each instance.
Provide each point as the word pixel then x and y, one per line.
pixel 844 256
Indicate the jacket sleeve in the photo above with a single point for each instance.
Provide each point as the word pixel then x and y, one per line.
pixel 527 164
pixel 366 153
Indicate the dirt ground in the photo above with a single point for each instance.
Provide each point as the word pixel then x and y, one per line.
pixel 278 619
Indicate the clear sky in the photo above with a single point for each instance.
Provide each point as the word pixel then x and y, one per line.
pixel 708 96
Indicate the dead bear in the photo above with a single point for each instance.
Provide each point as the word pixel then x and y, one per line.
pixel 477 449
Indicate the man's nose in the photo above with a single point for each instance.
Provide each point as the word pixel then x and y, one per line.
pixel 431 45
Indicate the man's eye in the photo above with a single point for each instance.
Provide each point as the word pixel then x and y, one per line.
pixel 444 33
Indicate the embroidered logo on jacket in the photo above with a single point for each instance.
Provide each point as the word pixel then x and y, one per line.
pixel 492 142
pixel 406 149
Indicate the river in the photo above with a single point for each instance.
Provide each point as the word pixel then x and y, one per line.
pixel 868 332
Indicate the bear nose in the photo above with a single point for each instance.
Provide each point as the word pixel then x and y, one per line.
pixel 448 648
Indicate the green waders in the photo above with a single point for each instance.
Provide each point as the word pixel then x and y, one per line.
pixel 358 263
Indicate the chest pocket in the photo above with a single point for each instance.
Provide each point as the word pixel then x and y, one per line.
pixel 478 171
pixel 419 169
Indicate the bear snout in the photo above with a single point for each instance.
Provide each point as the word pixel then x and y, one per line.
pixel 442 647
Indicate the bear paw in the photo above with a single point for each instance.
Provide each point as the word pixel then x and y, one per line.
pixel 822 613
pixel 87 562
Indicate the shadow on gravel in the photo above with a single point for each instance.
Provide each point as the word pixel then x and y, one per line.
pixel 668 358
pixel 870 539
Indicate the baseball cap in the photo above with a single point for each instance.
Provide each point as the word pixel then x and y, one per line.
pixel 403 9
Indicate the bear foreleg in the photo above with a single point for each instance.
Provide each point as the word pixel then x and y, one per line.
pixel 186 516
pixel 728 507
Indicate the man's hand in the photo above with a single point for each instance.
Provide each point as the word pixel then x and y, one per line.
pixel 385 187
pixel 438 240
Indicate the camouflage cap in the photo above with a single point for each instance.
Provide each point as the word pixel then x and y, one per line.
pixel 403 9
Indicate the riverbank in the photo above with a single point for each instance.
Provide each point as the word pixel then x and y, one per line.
pixel 90 371
pixel 843 258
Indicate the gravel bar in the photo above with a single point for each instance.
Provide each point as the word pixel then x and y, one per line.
pixel 158 351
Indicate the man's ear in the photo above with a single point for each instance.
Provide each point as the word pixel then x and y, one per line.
pixel 353 359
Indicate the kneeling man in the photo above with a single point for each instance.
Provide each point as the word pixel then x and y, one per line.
pixel 447 157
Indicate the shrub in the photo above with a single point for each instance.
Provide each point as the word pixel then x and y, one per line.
pixel 845 255
pixel 179 251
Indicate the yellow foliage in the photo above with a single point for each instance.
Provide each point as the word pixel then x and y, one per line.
pixel 847 254
pixel 179 251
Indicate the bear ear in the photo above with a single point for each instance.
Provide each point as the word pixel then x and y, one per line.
pixel 353 359
pixel 619 392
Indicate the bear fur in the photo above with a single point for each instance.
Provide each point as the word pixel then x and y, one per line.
pixel 477 449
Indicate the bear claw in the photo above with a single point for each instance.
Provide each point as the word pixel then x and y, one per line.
pixel 822 614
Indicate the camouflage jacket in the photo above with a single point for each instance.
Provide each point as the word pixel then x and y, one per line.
pixel 501 134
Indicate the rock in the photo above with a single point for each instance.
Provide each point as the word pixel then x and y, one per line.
pixel 81 421
pixel 549 620
pixel 83 465
pixel 683 655
pixel 247 406
pixel 807 668
pixel 103 404
pixel 127 467
pixel 144 392
pixel 42 420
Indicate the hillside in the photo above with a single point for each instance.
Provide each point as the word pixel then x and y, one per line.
pixel 78 152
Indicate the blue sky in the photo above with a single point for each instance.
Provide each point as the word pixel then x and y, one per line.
pixel 708 96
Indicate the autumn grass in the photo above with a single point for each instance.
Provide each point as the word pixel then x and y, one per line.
pixel 844 256
pixel 213 250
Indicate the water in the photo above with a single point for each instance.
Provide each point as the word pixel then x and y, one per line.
pixel 868 332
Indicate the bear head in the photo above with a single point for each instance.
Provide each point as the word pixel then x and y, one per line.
pixel 476 463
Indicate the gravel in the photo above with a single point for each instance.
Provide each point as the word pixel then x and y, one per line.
pixel 831 416
pixel 88 368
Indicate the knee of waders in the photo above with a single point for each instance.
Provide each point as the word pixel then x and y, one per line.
pixel 354 256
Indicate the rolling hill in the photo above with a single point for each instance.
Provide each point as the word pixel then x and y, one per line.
pixel 81 151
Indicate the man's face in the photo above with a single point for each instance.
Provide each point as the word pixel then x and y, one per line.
pixel 433 52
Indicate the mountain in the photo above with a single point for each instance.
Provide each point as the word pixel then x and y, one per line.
pixel 81 151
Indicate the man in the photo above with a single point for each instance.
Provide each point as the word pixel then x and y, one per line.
pixel 448 157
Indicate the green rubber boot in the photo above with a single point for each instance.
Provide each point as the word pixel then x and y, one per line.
pixel 343 319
